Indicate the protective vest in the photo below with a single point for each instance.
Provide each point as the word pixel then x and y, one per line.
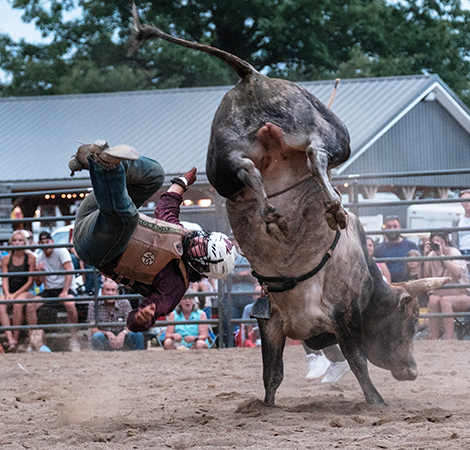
pixel 152 246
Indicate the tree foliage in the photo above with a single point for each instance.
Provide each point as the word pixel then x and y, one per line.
pixel 295 39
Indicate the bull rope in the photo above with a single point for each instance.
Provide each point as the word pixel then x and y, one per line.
pixel 288 283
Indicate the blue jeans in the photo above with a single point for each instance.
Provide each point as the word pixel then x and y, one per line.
pixel 133 341
pixel 108 216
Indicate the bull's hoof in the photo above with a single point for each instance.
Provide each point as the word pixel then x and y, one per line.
pixel 336 217
pixel 276 225
pixel 274 231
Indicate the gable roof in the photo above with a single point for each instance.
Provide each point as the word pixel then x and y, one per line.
pixel 173 126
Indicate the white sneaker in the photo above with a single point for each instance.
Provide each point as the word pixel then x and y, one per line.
pixel 74 346
pixel 317 365
pixel 336 371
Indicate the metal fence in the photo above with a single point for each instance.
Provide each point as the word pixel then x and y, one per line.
pixel 224 295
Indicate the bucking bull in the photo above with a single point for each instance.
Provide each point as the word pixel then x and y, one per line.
pixel 271 148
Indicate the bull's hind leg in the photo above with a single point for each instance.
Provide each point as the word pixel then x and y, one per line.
pixel 335 215
pixel 276 225
pixel 351 341
pixel 273 340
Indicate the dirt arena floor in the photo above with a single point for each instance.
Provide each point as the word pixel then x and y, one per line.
pixel 212 400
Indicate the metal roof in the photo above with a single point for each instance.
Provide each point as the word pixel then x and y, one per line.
pixel 173 126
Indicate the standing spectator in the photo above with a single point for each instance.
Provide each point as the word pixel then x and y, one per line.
pixel 16 287
pixel 329 362
pixel 445 300
pixel 53 260
pixel 461 239
pixel 394 246
pixel 112 310
pixel 189 336
pixel 382 266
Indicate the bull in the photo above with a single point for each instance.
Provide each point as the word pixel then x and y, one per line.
pixel 271 149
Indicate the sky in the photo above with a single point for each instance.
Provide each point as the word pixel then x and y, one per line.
pixel 11 23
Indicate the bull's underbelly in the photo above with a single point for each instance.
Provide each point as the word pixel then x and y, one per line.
pixel 304 312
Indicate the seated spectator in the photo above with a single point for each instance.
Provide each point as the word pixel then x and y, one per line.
pixel 382 266
pixel 37 342
pixel 188 336
pixel 461 239
pixel 106 337
pixel 247 335
pixel 53 260
pixel 445 300
pixel 16 287
pixel 394 246
pixel 241 283
pixel 91 281
pixel 412 273
pixel 205 303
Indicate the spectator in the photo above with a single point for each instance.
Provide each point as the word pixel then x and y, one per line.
pixel 461 239
pixel 445 300
pixel 242 283
pixel 205 303
pixel 382 266
pixel 329 362
pixel 394 246
pixel 112 310
pixel 91 281
pixel 188 336
pixel 412 272
pixel 37 342
pixel 248 335
pixel 53 260
pixel 16 287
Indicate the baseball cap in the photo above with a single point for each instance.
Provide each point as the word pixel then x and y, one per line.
pixel 44 235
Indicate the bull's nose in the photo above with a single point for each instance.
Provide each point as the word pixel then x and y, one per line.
pixel 405 374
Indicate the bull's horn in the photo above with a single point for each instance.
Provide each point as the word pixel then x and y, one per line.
pixel 417 287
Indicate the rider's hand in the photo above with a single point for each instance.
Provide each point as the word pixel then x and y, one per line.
pixel 145 314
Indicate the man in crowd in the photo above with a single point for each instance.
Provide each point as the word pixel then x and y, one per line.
pixel 394 246
pixel 155 257
pixel 53 260
pixel 106 337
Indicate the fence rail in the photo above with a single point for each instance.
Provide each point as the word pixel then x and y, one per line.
pixel 224 295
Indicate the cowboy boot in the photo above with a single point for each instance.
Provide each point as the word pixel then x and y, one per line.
pixel 103 155
pixel 78 161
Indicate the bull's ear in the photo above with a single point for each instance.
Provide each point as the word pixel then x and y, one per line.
pixel 404 300
pixel 417 287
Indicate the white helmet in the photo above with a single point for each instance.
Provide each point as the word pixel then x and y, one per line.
pixel 220 254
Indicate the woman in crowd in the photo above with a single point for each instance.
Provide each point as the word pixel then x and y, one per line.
pixel 16 287
pixel 445 300
pixel 382 266
pixel 412 272
pixel 189 336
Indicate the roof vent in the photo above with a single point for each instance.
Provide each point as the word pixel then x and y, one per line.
pixel 430 97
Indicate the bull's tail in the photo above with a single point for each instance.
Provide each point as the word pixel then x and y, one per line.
pixel 143 33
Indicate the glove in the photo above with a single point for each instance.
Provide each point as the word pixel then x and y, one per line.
pixel 186 180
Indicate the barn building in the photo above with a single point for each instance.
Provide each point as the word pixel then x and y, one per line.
pixel 397 124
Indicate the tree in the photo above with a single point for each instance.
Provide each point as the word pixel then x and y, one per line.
pixel 295 39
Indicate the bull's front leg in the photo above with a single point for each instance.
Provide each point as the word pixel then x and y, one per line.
pixel 335 215
pixel 351 342
pixel 276 225
pixel 273 340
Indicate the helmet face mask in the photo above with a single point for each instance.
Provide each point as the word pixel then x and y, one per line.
pixel 210 254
